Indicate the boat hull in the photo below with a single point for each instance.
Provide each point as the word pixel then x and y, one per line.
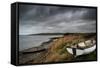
pixel 81 51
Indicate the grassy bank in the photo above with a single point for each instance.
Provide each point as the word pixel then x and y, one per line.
pixel 57 52
pixel 57 49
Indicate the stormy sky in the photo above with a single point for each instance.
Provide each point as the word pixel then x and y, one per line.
pixel 35 19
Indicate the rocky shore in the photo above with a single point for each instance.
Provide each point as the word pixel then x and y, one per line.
pixel 33 53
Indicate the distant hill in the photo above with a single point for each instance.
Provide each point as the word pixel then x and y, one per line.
pixel 59 33
pixel 48 34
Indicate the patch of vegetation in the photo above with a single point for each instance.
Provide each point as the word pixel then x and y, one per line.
pixel 58 50
pixel 91 56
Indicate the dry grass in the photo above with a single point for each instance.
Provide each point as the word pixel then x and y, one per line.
pixel 57 51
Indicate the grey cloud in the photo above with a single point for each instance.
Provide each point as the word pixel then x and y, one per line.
pixel 90 14
pixel 43 19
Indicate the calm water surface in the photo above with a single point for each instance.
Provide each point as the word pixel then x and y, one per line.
pixel 26 42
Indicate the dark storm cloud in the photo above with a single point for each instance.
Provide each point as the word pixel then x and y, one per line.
pixel 40 13
pixel 52 19
pixel 90 15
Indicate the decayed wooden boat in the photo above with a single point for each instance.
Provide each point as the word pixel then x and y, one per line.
pixel 82 48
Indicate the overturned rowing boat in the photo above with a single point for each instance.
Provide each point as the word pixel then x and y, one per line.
pixel 82 48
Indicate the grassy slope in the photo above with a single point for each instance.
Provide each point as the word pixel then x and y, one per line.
pixel 57 52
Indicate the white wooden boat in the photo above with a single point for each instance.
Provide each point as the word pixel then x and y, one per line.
pixel 82 48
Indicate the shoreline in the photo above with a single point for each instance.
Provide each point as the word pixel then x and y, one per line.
pixel 33 51
pixel 41 56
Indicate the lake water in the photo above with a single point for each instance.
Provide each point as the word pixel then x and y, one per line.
pixel 26 42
